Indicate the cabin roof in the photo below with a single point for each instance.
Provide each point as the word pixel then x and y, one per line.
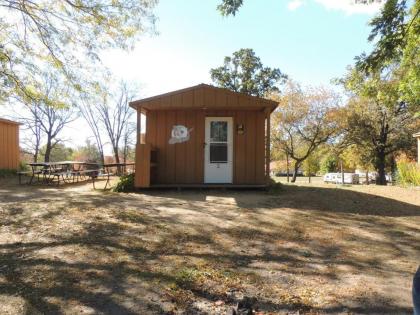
pixel 7 121
pixel 203 96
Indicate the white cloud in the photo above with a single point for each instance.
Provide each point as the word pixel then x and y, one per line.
pixel 294 4
pixel 351 7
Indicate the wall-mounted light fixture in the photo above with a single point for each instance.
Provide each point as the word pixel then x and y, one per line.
pixel 240 129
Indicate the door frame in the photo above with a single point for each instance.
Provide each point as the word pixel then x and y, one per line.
pixel 230 142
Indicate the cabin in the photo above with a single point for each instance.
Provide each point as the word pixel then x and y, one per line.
pixel 9 144
pixel 203 136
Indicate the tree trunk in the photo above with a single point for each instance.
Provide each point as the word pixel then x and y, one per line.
pixel 380 167
pixel 36 155
pixel 367 177
pixel 47 150
pixel 287 166
pixel 117 160
pixel 295 170
pixel 116 155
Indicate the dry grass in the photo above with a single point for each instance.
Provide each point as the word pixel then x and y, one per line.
pixel 316 250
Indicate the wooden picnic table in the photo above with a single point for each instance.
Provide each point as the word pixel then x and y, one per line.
pixel 121 167
pixel 71 171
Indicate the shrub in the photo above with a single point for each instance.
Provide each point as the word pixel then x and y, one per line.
pixel 408 173
pixel 7 173
pixel 329 163
pixel 126 183
pixel 23 166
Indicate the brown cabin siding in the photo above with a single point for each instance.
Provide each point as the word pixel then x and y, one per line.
pixel 183 163
pixel 9 145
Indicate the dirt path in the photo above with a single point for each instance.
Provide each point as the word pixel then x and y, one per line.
pixel 316 250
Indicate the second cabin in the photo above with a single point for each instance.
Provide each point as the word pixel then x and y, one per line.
pixel 203 136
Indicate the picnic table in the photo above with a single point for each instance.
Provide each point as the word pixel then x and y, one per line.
pixel 121 168
pixel 72 171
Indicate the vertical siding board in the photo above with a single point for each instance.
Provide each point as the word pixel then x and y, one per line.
pixel 191 147
pixel 232 100
pixel 250 147
pixel 2 146
pixel 176 101
pixel 221 98
pixel 12 147
pixel 188 99
pixel 151 127
pixel 240 150
pixel 209 97
pixel 161 145
pixel 5 147
pixel 199 152
pixel 180 151
pixel 9 145
pixel 260 149
pixel 198 101
pixel 170 148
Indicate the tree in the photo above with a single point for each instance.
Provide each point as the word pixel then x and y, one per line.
pixel 376 119
pixel 329 163
pixel 114 113
pixel 88 110
pixel 245 73
pixel 48 113
pixel 89 152
pixel 59 152
pixel 304 120
pixel 30 142
pixel 65 35
pixel 231 7
pixel 396 34
pixel 129 141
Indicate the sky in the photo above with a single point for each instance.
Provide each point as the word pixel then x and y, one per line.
pixel 312 41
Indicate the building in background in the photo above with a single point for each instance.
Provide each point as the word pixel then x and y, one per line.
pixel 9 144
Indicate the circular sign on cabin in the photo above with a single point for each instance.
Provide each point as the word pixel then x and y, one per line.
pixel 179 134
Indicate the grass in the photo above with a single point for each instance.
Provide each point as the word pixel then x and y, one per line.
pixel 313 249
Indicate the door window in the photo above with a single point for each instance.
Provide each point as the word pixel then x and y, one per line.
pixel 218 142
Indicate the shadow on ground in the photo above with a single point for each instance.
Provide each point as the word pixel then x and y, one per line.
pixel 314 250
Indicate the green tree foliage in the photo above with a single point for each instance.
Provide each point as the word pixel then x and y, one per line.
pixel 59 152
pixel 408 173
pixel 229 7
pixel 311 165
pixel 245 73
pixel 377 121
pixel 329 163
pixel 65 35
pixel 396 36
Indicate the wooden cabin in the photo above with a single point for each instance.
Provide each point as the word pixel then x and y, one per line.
pixel 203 136
pixel 9 144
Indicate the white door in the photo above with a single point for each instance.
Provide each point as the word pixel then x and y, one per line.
pixel 218 155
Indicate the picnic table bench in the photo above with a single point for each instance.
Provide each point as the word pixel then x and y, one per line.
pixel 72 171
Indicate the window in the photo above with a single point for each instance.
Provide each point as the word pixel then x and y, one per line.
pixel 218 153
pixel 218 131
